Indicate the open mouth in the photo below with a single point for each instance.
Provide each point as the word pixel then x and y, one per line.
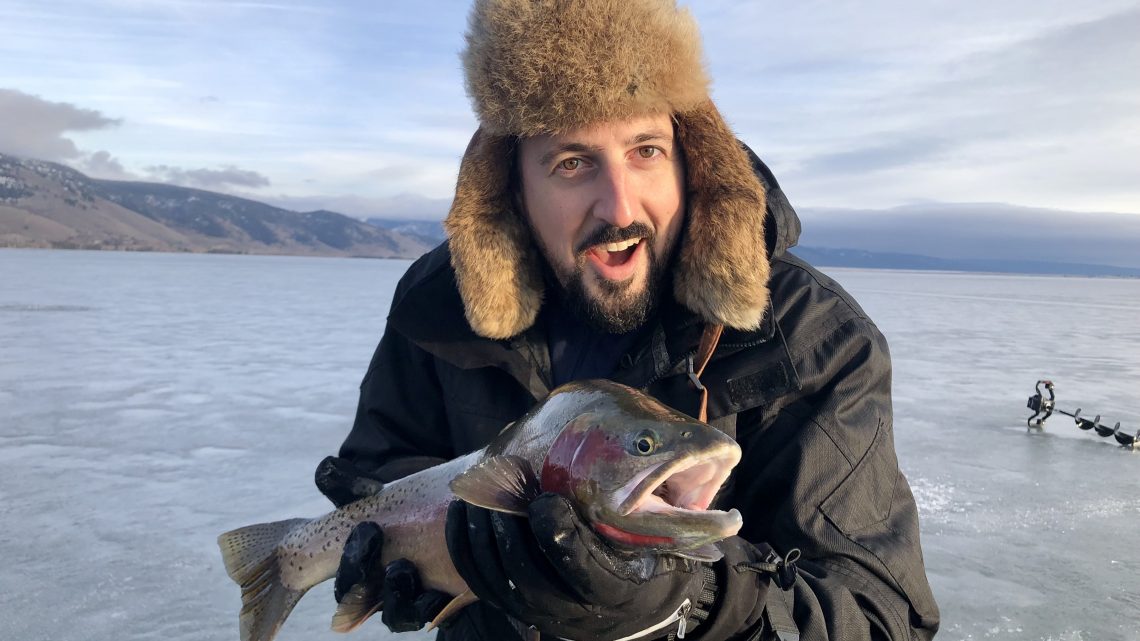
pixel 666 507
pixel 685 485
pixel 614 255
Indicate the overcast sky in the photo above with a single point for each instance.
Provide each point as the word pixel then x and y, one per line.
pixel 359 106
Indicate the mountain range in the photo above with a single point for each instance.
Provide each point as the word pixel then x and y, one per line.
pixel 47 205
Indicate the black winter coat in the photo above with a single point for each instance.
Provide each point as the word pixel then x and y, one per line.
pixel 807 396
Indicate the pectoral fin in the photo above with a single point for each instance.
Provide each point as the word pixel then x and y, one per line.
pixel 503 483
pixel 453 607
pixel 359 603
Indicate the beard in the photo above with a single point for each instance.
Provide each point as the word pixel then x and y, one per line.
pixel 612 307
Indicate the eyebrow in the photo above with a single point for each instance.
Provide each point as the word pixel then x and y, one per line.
pixel 652 134
pixel 577 147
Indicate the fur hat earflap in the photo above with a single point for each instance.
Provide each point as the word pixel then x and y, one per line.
pixel 722 271
pixel 495 261
pixel 548 66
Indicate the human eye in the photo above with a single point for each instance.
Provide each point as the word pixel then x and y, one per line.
pixel 571 167
pixel 648 151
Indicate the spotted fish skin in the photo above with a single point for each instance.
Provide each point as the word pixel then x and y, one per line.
pixel 277 563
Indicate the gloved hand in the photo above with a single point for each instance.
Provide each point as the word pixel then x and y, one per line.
pixel 407 606
pixel 553 572
pixel 342 482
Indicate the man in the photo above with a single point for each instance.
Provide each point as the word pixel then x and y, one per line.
pixel 607 223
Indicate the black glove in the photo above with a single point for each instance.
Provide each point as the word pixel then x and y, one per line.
pixel 342 482
pixel 407 606
pixel 553 572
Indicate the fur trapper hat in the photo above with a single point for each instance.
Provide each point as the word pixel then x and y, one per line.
pixel 548 66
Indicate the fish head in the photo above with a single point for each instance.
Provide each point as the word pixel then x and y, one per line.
pixel 645 480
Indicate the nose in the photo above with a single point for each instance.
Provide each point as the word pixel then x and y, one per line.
pixel 615 204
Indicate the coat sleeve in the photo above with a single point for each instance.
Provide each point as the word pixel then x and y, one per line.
pixel 401 426
pixel 819 473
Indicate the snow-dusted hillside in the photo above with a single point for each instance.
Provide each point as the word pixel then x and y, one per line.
pixel 44 204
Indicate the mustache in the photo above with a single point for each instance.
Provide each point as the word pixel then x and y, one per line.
pixel 614 234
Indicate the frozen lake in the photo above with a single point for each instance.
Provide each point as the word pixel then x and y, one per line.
pixel 149 402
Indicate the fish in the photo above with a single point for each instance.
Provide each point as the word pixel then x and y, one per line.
pixel 641 474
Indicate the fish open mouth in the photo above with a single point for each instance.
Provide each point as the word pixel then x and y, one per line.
pixel 666 507
pixel 683 485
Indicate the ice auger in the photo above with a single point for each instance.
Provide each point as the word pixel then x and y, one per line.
pixel 1043 408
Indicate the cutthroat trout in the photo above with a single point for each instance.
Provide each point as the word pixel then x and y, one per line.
pixel 641 474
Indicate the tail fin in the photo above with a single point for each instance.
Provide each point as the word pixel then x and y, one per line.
pixel 250 555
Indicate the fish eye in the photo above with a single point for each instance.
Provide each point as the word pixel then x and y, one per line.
pixel 646 442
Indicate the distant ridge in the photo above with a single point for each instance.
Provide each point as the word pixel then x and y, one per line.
pixel 857 258
pixel 432 232
pixel 48 205
pixel 429 231
pixel 981 236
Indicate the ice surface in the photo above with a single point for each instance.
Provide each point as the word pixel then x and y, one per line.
pixel 1025 536
pixel 149 402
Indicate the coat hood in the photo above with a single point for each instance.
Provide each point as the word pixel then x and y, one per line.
pixel 781 223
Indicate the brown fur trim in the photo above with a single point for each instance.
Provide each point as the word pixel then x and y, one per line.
pixel 496 266
pixel 546 66
pixel 722 271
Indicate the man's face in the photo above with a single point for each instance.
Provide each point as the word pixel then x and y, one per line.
pixel 606 204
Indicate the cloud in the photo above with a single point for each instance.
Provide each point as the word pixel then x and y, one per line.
pixel 1037 108
pixel 877 156
pixel 866 104
pixel 978 231
pixel 1071 79
pixel 102 164
pixel 35 128
pixel 226 177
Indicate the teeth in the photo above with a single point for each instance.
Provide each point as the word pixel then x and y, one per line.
pixel 622 246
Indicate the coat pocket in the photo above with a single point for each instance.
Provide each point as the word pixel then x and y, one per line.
pixel 865 497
